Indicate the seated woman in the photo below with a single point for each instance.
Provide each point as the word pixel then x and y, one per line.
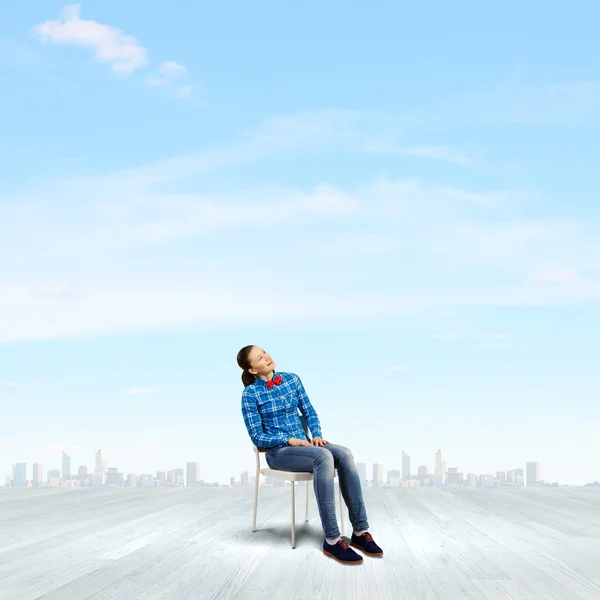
pixel 270 406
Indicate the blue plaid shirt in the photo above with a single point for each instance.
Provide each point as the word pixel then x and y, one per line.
pixel 271 416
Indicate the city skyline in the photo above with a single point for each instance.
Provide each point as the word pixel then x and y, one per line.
pixel 439 476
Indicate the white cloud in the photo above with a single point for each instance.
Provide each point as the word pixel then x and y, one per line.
pixel 168 72
pixel 172 76
pixel 59 290
pixel 558 277
pixel 171 69
pixel 14 385
pixel 399 368
pixel 122 52
pixel 142 391
pixel 568 103
pixel 386 247
pixel 444 153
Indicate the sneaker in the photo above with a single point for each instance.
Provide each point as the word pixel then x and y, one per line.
pixel 342 553
pixel 365 543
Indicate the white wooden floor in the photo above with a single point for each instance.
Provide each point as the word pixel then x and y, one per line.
pixel 185 543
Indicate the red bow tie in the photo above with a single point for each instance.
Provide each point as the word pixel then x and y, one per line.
pixel 275 381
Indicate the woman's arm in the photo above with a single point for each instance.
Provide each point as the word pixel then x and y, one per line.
pixel 307 410
pixel 254 424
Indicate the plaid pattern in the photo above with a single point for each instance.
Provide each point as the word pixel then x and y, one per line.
pixel 271 416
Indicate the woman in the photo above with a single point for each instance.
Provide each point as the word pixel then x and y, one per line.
pixel 270 409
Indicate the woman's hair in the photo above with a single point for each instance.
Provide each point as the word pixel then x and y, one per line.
pixel 244 363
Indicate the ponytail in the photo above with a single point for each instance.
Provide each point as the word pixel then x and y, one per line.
pixel 244 364
pixel 248 378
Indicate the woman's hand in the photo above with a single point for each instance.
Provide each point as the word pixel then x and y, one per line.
pixel 297 442
pixel 319 441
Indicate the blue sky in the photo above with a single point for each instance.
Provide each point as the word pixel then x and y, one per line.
pixel 400 204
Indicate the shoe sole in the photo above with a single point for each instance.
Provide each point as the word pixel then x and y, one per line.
pixel 369 553
pixel 345 562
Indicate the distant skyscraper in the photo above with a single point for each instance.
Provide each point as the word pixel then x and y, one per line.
pixel 472 480
pixel 66 466
pixel 377 474
pixel 82 474
pixel 172 476
pixel 161 477
pixel 232 481
pixel 53 474
pixel 244 479
pixel 362 473
pixel 113 477
pixel 393 478
pixel 193 473
pixel 501 478
pixel 38 474
pixel 405 466
pixel 422 473
pixel 486 480
pixel 440 465
pixel 146 480
pixel 453 477
pixel 20 475
pixel 100 467
pixel 178 473
pixel 533 473
pixel 132 480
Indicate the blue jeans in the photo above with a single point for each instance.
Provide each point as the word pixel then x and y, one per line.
pixel 321 460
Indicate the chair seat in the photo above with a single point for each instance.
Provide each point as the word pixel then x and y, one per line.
pixel 290 475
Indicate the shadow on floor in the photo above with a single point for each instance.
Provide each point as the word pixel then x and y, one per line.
pixel 280 536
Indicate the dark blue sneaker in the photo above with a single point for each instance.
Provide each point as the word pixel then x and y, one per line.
pixel 365 543
pixel 342 552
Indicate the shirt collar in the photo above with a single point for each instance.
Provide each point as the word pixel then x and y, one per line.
pixel 264 382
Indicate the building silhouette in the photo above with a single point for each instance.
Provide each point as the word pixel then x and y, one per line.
pixel 19 475
pixel 244 479
pixel 440 466
pixel 100 467
pixel 532 470
pixel 38 474
pixel 66 466
pixel 192 473
pixel 405 466
pixel 501 478
pixel 377 474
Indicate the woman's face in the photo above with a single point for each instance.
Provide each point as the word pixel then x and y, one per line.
pixel 261 362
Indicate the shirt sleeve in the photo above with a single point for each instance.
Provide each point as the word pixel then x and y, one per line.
pixel 254 424
pixel 307 410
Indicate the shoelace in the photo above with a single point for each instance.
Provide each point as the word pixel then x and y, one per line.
pixel 343 544
pixel 369 537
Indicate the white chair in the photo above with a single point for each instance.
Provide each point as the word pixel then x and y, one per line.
pixel 292 477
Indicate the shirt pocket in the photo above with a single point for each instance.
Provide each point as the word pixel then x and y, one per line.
pixel 289 401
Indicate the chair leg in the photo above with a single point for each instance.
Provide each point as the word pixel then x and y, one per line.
pixel 341 508
pixel 293 514
pixel 307 486
pixel 255 502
